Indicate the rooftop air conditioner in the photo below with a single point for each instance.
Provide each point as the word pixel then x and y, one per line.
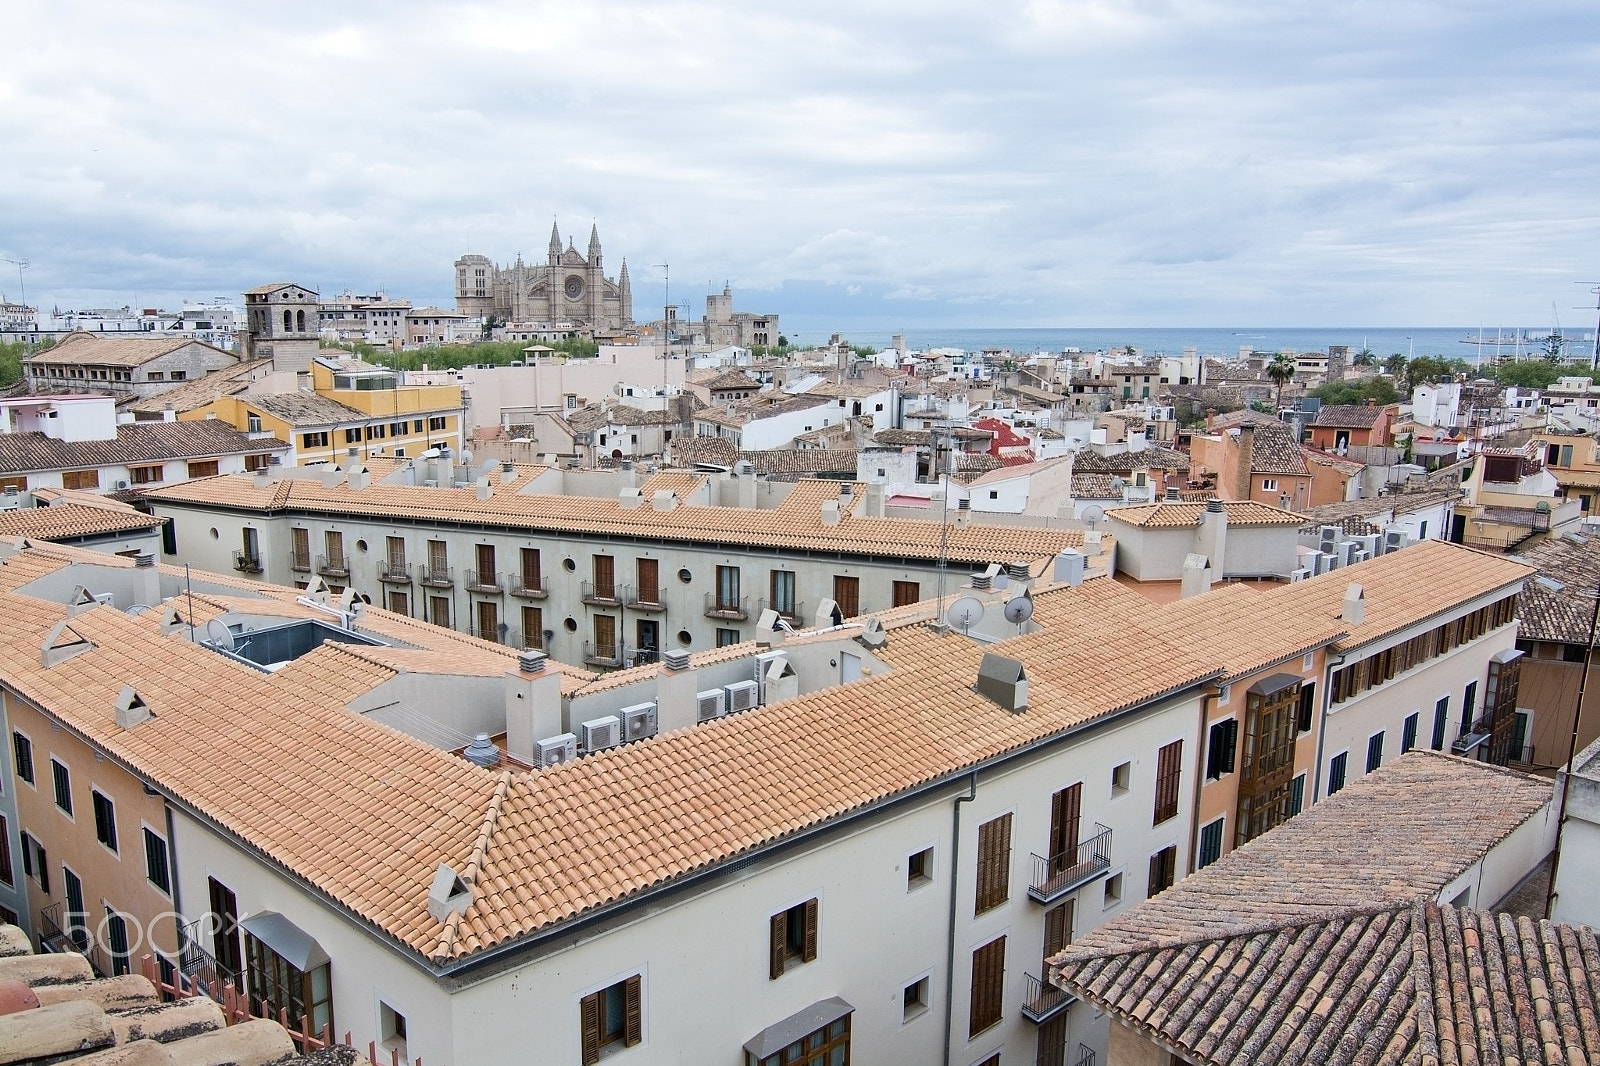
pixel 1393 541
pixel 602 733
pixel 639 721
pixel 1300 574
pixel 121 485
pixel 710 704
pixel 742 695
pixel 557 750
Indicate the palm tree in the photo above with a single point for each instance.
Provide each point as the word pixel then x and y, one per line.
pixel 1395 364
pixel 1281 370
pixel 1363 357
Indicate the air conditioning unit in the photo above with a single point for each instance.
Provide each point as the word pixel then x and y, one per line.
pixel 638 721
pixel 1393 541
pixel 121 485
pixel 602 733
pixel 10 503
pixel 742 695
pixel 557 750
pixel 764 663
pixel 710 704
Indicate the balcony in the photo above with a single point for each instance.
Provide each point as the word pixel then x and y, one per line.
pixel 437 577
pixel 333 566
pixel 791 611
pixel 529 586
pixel 395 572
pixel 1042 1001
pixel 734 610
pixel 499 633
pixel 246 563
pixel 300 561
pixel 483 581
pixel 1056 1055
pixel 601 594
pixel 643 599
pixel 1059 874
pixel 613 656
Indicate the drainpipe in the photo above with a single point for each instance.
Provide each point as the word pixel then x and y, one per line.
pixel 1199 779
pixel 1328 667
pixel 172 877
pixel 950 932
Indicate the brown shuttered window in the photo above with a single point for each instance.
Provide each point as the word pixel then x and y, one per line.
pixel 1058 928
pixel 612 1015
pixel 847 594
pixel 791 938
pixel 988 986
pixel 1169 769
pixel 994 863
pixel 1163 870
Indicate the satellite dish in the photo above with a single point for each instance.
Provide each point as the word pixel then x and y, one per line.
pixel 1019 608
pixel 1093 513
pixel 218 634
pixel 964 613
pixel 136 610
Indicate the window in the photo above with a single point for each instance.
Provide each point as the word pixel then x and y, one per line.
pixel 1121 776
pixel 416 425
pixel 1169 771
pixel 1163 870
pixel 532 570
pixel 994 863
pixel 988 986
pixel 314 440
pixel 203 468
pixel 284 987
pixel 146 475
pixel 436 423
pixel 5 852
pixel 1297 795
pixel 1441 718
pixel 1408 736
pixel 155 861
pixel 914 999
pixel 782 587
pixel 23 748
pixel 18 483
pixel 352 436
pixel 117 942
pixel 63 783
pixel 35 864
pixel 80 479
pixel 1336 771
pixel 376 432
pixel 1308 705
pixel 1469 703
pixel 1220 748
pixel 919 869
pixel 793 937
pixel 1210 843
pixel 1112 894
pixel 392 1028
pixel 827 1046
pixel 906 592
pixel 847 594
pixel 727 637
pixel 1374 751
pixel 105 820
pixel 728 588
pixel 1269 484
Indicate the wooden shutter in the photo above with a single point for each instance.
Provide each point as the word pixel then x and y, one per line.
pixel 809 951
pixel 634 1031
pixel 1169 770
pixel 589 1019
pixel 994 863
pixel 1058 928
pixel 777 945
pixel 988 986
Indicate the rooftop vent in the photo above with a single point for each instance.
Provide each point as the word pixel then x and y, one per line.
pixel 131 709
pixel 1214 505
pixel 873 635
pixel 1355 605
pixel 676 659
pixel 1017 571
pixel 449 894
pixel 1004 681
pixel 144 560
pixel 482 752
pixel 61 644
pixel 531 661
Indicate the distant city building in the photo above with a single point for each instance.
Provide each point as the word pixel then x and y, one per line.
pixel 282 321
pixel 375 319
pixel 129 366
pixel 568 287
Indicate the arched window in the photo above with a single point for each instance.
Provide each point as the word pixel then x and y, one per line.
pixel 288 322
pixel 300 321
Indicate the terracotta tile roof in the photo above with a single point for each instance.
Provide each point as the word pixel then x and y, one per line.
pixel 683 483
pixel 72 520
pixel 1153 458
pixel 1563 614
pixel 1172 515
pixel 1350 526
pixel 796 524
pixel 900 437
pixel 713 451
pixel 1011 473
pixel 86 349
pixel 135 442
pixel 1399 503
pixel 1349 416
pixel 1328 459
pixel 1415 982
pixel 1388 837
pixel 1239 418
pixel 304 408
pixel 1274 450
pixel 195 394
pixel 1094 487
pixel 731 379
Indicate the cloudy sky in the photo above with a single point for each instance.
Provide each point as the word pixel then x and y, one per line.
pixel 867 164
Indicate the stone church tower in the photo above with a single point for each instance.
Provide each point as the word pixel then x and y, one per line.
pixel 569 287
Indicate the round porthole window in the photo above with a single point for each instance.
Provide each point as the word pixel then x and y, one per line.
pixel 685 637
pixel 361 546
pixel 568 565
pixel 571 625
pixel 213 532
pixel 685 576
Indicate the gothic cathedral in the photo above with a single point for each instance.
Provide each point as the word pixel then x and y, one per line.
pixel 568 287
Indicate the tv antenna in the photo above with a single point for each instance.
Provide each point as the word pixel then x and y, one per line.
pixel 1594 341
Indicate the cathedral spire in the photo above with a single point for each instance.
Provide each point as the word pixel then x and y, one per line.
pixel 594 240
pixel 555 242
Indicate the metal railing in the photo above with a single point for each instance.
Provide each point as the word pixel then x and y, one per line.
pixel 395 572
pixel 643 599
pixel 300 561
pixel 1042 1000
pixel 718 606
pixel 483 580
pixel 613 655
pixel 499 633
pixel 1059 874
pixel 439 577
pixel 246 563
pixel 605 594
pixel 528 586
pixel 333 565
pixel 791 611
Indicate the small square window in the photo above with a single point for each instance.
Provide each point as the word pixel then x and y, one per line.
pixel 919 869
pixel 914 999
pixel 1120 777
pixel 1113 890
pixel 1225 695
pixel 392 1026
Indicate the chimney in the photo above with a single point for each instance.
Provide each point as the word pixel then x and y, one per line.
pixel 744 476
pixel 1069 567
pixel 874 500
pixel 664 500
pixel 630 500
pixel 1196 576
pixel 147 579
pixel 330 477
pixel 1244 459
pixel 1355 605
pixel 359 478
pixel 1003 681
pixel 482 489
pixel 533 705
pixel 830 512
pixel 1211 418
pixel 131 710
pixel 508 472
pixel 1211 540
pixel 676 705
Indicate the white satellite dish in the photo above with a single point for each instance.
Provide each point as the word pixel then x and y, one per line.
pixel 218 634
pixel 1093 513
pixel 965 613
pixel 136 610
pixel 1019 608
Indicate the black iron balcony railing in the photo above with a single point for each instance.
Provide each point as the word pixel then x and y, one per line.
pixel 613 655
pixel 601 593
pixel 438 577
pixel 395 572
pixel 246 563
pixel 528 586
pixel 300 561
pixel 791 611
pixel 1055 876
pixel 483 580
pixel 333 566
pixel 1042 1001
pixel 734 608
pixel 643 599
